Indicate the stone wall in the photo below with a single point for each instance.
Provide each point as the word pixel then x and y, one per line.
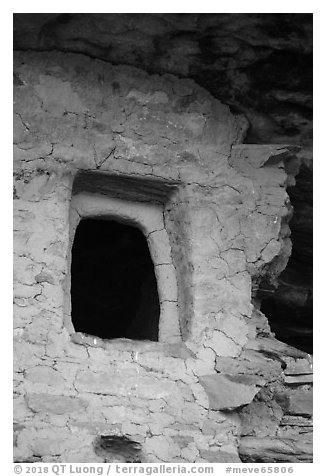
pixel 205 390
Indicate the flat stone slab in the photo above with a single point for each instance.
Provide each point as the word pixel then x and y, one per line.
pixel 298 367
pixel 298 379
pixel 299 402
pixel 55 404
pixel 274 450
pixel 228 392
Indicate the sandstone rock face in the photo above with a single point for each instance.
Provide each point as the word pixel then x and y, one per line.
pixel 276 450
pixel 260 64
pixel 85 127
pixel 277 424
pixel 297 403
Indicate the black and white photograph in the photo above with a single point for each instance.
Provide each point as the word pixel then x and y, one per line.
pixel 163 241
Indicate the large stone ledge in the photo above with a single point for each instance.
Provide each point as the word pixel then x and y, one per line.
pixel 276 450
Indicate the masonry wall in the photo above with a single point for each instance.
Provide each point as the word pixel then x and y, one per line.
pixel 195 397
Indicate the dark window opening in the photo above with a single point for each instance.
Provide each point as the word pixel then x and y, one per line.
pixel 290 308
pixel 113 284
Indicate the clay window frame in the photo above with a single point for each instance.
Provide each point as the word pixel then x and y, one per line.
pixel 134 202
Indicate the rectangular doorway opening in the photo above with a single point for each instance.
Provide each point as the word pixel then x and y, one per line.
pixel 113 284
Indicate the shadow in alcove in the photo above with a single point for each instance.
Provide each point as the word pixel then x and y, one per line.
pixel 289 308
pixel 113 285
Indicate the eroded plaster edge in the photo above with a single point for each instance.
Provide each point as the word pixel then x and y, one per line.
pixel 149 219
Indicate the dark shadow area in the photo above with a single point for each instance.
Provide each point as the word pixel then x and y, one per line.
pixel 291 324
pixel 113 284
pixel 290 308
pixel 114 446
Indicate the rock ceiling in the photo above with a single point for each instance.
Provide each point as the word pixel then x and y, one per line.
pixel 259 64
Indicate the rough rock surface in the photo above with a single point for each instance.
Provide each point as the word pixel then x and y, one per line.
pixel 279 450
pixel 260 64
pixel 227 226
pixel 227 392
